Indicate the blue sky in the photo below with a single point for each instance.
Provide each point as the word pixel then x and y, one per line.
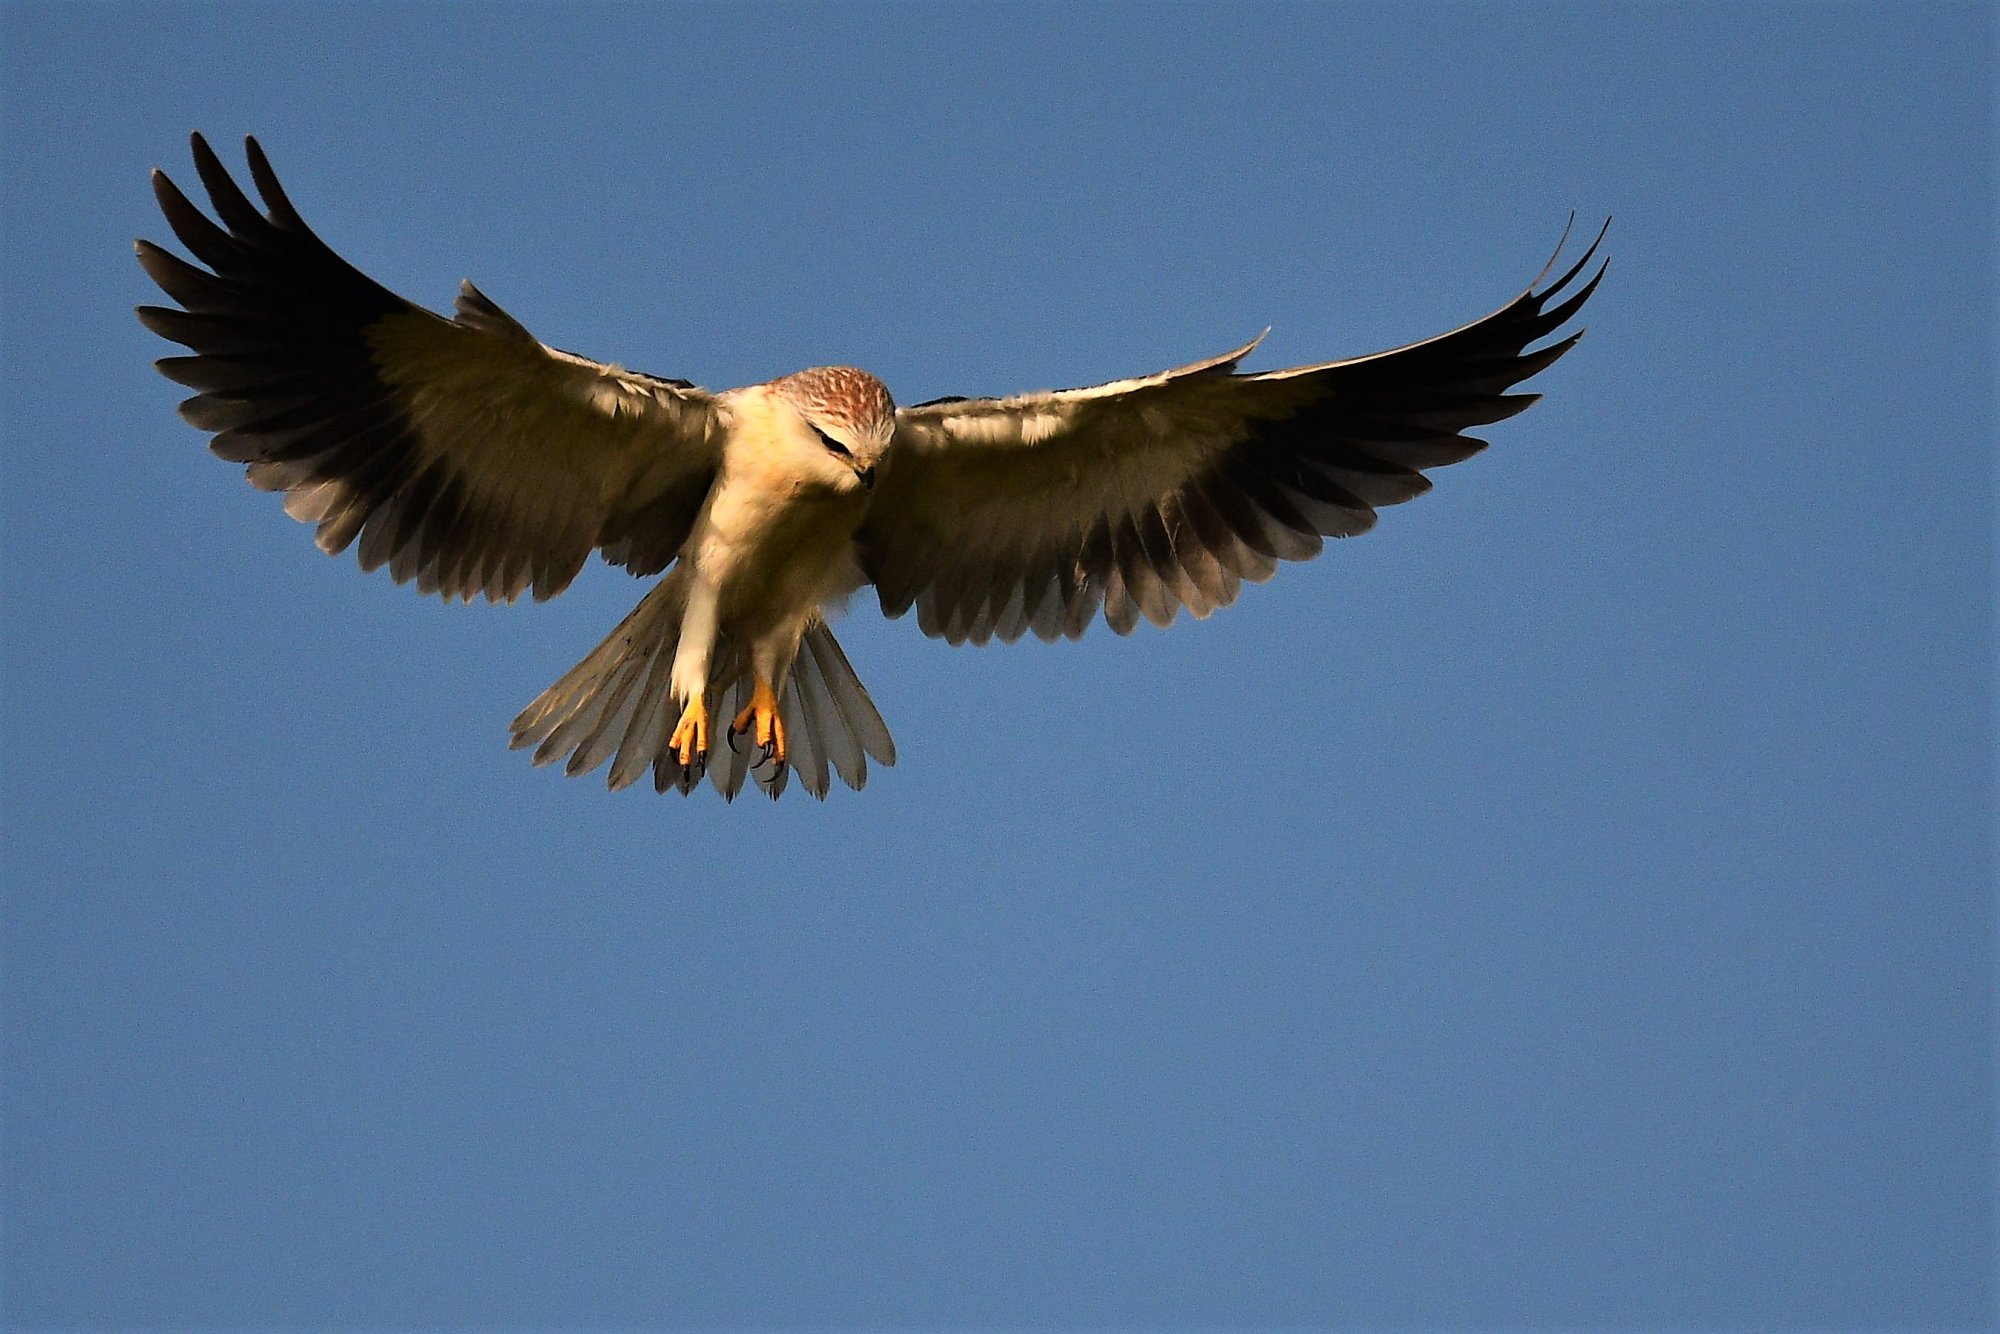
pixel 1569 904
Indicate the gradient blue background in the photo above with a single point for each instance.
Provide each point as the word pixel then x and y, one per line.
pixel 1570 904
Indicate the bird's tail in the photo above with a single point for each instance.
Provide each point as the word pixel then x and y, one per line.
pixel 617 704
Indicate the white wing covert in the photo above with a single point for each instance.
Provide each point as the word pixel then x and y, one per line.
pixel 999 516
pixel 462 453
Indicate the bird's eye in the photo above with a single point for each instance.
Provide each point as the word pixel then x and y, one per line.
pixel 832 444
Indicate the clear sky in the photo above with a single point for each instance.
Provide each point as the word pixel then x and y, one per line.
pixel 1569 904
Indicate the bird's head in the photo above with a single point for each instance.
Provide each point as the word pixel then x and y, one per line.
pixel 849 414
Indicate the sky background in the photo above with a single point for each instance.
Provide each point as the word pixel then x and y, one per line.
pixel 1570 904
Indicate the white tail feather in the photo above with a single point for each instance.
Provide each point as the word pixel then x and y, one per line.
pixel 617 704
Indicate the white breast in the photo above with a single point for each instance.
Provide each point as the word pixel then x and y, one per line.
pixel 775 541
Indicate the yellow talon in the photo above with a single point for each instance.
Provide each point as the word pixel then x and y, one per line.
pixel 690 739
pixel 762 713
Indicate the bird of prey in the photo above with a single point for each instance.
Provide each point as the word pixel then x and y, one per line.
pixel 467 455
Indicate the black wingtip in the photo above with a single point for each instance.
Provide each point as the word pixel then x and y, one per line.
pixel 266 180
pixel 1560 315
pixel 1574 269
pixel 198 144
pixel 1583 260
pixel 1556 254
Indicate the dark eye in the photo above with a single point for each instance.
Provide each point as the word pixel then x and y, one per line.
pixel 832 444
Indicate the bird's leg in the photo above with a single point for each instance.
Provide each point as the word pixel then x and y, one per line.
pixel 689 680
pixel 761 714
pixel 690 739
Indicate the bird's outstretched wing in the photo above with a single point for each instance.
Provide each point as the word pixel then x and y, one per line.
pixel 998 516
pixel 462 453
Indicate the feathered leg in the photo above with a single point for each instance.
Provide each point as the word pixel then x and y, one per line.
pixel 689 742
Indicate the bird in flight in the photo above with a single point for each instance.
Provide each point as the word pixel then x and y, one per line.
pixel 467 455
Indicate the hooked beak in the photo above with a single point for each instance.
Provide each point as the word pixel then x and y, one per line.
pixel 867 476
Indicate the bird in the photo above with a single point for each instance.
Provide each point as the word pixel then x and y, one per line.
pixel 466 455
